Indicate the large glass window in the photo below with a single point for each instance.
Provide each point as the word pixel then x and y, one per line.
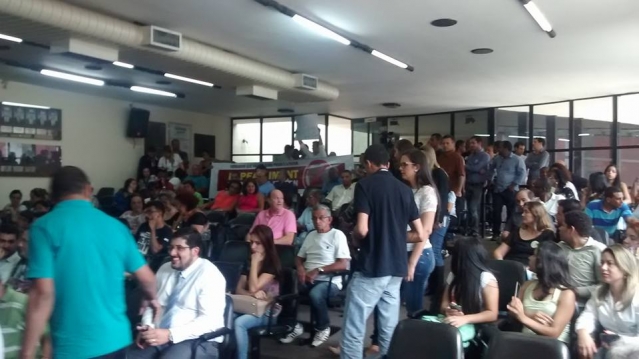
pixel 242 159
pixel 589 161
pixel 360 137
pixel 511 124
pixel 628 165
pixel 309 143
pixel 551 122
pixel 402 126
pixel 628 118
pixel 593 122
pixel 339 137
pixel 468 124
pixel 430 124
pixel 246 137
pixel 276 133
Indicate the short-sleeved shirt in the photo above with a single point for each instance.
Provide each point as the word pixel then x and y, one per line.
pixel 86 252
pixel 322 249
pixel 266 188
pixel 13 312
pixel 143 238
pixel 453 163
pixel 521 250
pixel 426 201
pixel 390 206
pixel 280 222
pixel 223 200
pixel 199 181
pixel 272 289
pixel 606 220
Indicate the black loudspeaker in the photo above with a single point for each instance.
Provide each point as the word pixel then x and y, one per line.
pixel 138 123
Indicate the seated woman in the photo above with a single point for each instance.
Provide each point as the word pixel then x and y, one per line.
pixel 546 305
pixel 631 241
pixel 135 216
pixel 614 306
pixel 226 201
pixel 147 180
pixel 259 281
pixel 472 296
pixel 122 198
pixel 171 213
pixel 251 200
pixel 535 227
pixel 190 215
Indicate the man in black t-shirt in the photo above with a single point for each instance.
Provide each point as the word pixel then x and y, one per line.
pixel 154 235
pixel 384 206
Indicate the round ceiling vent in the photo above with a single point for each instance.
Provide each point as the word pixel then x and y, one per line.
pixel 391 104
pixel 482 51
pixel 443 22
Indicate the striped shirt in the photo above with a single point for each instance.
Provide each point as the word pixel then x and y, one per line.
pixel 13 312
pixel 606 220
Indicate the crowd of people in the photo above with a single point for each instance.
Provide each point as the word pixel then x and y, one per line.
pixel 385 226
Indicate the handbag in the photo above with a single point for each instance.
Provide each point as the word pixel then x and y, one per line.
pixel 247 304
pixel 467 331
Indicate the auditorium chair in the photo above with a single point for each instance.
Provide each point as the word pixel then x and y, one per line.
pixel 508 274
pixel 235 251
pixel 525 346
pixel 287 254
pixel 417 339
pixel 217 218
pixel 226 349
pixel 239 231
pixel 232 271
pixel 245 219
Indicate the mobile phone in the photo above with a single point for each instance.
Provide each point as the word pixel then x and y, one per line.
pixel 517 289
pixel 455 306
pixel 609 338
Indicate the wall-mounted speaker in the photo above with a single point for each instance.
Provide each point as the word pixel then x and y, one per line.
pixel 138 123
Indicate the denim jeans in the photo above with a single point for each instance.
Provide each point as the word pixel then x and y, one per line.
pixel 364 293
pixel 244 322
pixel 318 293
pixel 413 292
pixel 474 193
pixel 437 239
pixel 436 282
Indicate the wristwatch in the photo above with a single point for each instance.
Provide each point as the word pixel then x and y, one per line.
pixel 170 337
pixel 320 269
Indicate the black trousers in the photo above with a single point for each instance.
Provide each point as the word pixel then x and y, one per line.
pixel 118 354
pixel 206 350
pixel 501 199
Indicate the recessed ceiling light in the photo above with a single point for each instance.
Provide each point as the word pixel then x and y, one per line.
pixel 187 79
pixel 443 22
pixel 163 82
pixel 10 38
pixel 391 104
pixel 70 77
pixel 482 51
pixel 123 64
pixel 93 67
pixel 152 91
pixel 285 110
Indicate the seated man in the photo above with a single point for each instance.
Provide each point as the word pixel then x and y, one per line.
pixel 606 213
pixel 154 235
pixel 189 187
pixel 201 183
pixel 278 218
pixel 9 234
pixel 305 222
pixel 324 251
pixel 18 279
pixel 226 201
pixel 543 190
pixel 342 193
pixel 191 291
pixel 569 205
pixel 583 253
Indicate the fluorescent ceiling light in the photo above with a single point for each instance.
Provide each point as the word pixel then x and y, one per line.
pixel 76 78
pixel 10 38
pixel 516 136
pixel 182 78
pixel 123 64
pixel 583 134
pixel 389 59
pixel 563 140
pixel 482 135
pixel 152 91
pixel 321 29
pixel 7 103
pixel 538 16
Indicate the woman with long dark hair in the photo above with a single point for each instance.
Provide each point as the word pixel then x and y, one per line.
pixel 123 197
pixel 614 180
pixel 597 184
pixel 561 178
pixel 259 281
pixel 251 200
pixel 190 214
pixel 415 171
pixel 545 306
pixel 472 297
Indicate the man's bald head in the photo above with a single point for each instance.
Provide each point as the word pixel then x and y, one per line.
pixel 276 198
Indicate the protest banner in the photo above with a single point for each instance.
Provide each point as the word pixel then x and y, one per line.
pixel 304 173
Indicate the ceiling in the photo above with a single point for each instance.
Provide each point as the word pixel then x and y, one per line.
pixel 595 52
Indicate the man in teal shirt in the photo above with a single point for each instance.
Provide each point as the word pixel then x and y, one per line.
pixel 78 257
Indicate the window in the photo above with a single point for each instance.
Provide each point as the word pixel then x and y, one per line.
pixel 589 161
pixel 430 124
pixel 628 117
pixel 402 126
pixel 309 143
pixel 339 136
pixel 560 156
pixel 246 137
pixel 551 122
pixel 628 165
pixel 593 123
pixel 276 133
pixel 468 124
pixel 242 159
pixel 360 137
pixel 511 124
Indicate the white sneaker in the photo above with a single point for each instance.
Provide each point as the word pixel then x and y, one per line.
pixel 299 330
pixel 320 337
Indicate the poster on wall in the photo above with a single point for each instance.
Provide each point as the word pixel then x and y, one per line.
pixel 303 173
pixel 182 133
pixel 29 122
pixel 19 159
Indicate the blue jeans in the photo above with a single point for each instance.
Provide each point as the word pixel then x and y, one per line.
pixel 318 293
pixel 364 293
pixel 413 292
pixel 437 239
pixel 244 322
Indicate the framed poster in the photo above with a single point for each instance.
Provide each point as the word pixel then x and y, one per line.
pixel 184 134
pixel 29 122
pixel 18 159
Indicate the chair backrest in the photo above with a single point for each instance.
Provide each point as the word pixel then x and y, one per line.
pixel 235 251
pixel 105 192
pixel 240 231
pixel 289 286
pixel 508 274
pixel 231 272
pixel 525 346
pixel 217 218
pixel 415 338
pixel 246 219
pixel 287 255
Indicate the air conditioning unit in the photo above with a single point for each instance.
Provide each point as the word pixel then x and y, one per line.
pixel 162 38
pixel 257 92
pixel 306 82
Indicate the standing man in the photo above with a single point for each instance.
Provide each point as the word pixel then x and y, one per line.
pixel 454 166
pixel 435 141
pixel 477 172
pixel 537 159
pixel 78 256
pixel 520 149
pixel 149 160
pixel 384 206
pixel 510 172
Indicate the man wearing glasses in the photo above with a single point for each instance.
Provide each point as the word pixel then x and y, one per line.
pixel 154 235
pixel 191 291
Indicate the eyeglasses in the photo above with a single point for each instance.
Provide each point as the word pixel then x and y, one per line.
pixel 405 164
pixel 179 248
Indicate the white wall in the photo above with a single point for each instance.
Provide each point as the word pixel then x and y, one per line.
pixel 93 135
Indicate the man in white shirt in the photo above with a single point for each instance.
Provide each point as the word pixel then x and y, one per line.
pixel 324 251
pixel 318 149
pixel 9 256
pixel 191 291
pixel 343 193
